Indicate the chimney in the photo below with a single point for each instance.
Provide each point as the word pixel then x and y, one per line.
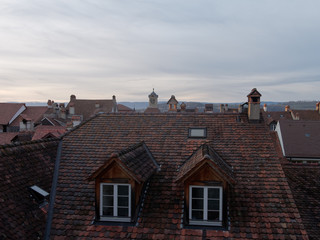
pixel 221 108
pixel 49 103
pixel 254 105
pixel 72 98
pixel 208 108
pixel 265 107
pixel 297 116
pixel 226 108
pixel 115 108
pixel 318 107
pixel 63 113
pixel 287 108
pixel 71 108
pixel 240 108
pixel 183 107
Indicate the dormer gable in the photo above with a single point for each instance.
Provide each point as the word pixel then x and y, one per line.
pixel 120 183
pixel 208 157
pixel 172 103
pixel 207 180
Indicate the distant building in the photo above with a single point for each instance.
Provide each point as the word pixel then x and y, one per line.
pixel 153 103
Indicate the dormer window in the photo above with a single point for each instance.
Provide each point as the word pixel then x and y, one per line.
pixel 115 202
pixel 206 178
pixel 205 205
pixel 120 183
pixel 197 132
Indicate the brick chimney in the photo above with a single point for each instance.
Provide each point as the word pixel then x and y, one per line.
pixel 72 98
pixel 254 105
pixel 49 103
pixel 287 108
pixel 265 107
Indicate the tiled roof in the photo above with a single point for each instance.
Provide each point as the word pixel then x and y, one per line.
pixel 7 137
pixel 307 115
pixel 152 110
pixel 304 182
pixel 123 108
pixel 22 166
pixel 254 93
pixel 31 113
pixel 137 160
pixel 87 108
pixel 42 131
pixel 269 117
pixel 261 205
pixel 301 138
pixel 206 154
pixel 7 111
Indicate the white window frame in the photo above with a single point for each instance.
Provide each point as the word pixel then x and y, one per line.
pixel 115 203
pixel 205 221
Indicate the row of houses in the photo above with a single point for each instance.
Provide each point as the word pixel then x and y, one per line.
pixel 154 175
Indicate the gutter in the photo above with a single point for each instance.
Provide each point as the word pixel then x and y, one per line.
pixel 53 192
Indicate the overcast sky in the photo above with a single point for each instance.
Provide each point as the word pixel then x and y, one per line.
pixel 198 50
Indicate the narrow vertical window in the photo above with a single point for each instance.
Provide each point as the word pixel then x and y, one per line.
pixel 115 202
pixel 205 206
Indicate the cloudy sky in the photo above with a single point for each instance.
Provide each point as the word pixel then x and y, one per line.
pixel 198 50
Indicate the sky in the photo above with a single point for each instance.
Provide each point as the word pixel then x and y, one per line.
pixel 197 50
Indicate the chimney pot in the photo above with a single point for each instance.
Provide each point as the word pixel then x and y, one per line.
pixel 265 107
pixel 287 108
pixel 72 97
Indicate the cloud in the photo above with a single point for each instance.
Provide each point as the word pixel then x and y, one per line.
pixel 201 50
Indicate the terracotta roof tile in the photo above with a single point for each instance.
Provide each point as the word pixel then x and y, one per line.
pixel 22 166
pixel 204 153
pixel 261 205
pixel 43 131
pixel 8 110
pixel 304 182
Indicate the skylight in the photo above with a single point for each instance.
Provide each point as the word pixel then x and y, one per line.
pixel 197 132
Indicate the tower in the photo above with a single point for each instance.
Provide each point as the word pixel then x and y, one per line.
pixel 254 105
pixel 153 100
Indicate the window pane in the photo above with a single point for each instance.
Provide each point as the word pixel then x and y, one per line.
pixel 123 201
pixel 197 215
pixel 123 212
pixel 107 211
pixel 197 204
pixel 213 193
pixel 213 205
pixel 107 189
pixel 123 190
pixel 194 132
pixel 108 201
pixel 213 216
pixel 197 192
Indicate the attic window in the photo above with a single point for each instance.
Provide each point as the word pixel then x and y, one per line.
pixel 38 194
pixel 197 132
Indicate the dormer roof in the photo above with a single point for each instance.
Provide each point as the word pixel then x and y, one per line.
pixel 137 161
pixel 172 100
pixel 254 93
pixel 206 155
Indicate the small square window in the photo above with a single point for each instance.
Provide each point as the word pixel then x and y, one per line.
pixel 115 202
pixel 197 132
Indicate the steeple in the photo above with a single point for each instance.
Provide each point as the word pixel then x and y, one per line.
pixel 153 100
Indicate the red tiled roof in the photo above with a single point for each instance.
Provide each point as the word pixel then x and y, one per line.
pixel 261 205
pixel 7 111
pixel 137 160
pixel 307 115
pixel 7 137
pixel 152 110
pixel 123 108
pixel 22 166
pixel 300 138
pixel 205 154
pixel 42 131
pixel 304 182
pixel 269 117
pixel 87 108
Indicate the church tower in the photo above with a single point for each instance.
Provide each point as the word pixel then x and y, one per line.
pixel 153 100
